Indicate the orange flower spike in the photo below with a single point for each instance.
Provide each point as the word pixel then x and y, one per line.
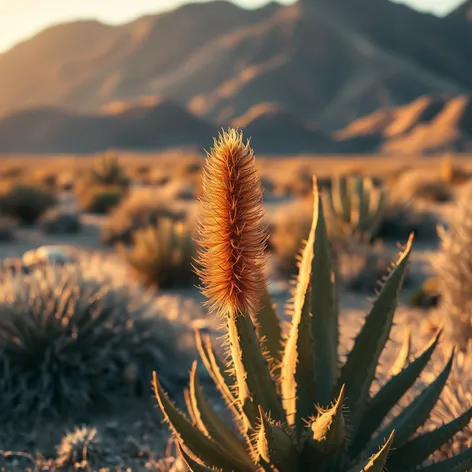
pixel 231 236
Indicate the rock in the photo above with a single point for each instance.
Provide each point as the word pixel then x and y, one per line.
pixel 57 221
pixel 49 255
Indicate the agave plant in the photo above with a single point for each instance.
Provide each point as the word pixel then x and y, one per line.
pixel 355 206
pixel 279 391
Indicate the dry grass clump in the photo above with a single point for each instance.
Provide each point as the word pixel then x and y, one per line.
pixel 162 255
pixel 26 203
pixel 140 208
pixel 81 444
pixel 454 269
pixel 100 199
pixel 451 173
pixel 70 341
pixel 422 185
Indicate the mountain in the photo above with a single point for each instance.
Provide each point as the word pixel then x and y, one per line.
pixel 151 123
pixel 328 61
pixel 425 126
pixel 156 125
pixel 277 131
pixel 463 11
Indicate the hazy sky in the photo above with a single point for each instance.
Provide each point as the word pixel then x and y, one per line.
pixel 20 19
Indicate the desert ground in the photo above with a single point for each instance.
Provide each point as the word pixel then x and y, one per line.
pixel 129 434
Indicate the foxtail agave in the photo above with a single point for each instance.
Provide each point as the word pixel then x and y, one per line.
pixel 279 391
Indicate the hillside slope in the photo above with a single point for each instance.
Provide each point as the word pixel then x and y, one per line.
pixel 329 61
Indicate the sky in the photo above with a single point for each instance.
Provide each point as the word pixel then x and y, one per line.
pixel 21 19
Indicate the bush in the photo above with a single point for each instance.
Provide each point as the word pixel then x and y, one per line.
pixel 162 255
pixel 400 218
pixel 140 208
pixel 70 341
pixel 27 203
pixel 58 221
pixel 100 199
pixel 107 171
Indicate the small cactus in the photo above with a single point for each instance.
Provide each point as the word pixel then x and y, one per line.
pixel 355 206
pixel 276 389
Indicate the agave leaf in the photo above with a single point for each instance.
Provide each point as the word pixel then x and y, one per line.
pixel 275 447
pixel 255 386
pixel 209 423
pixel 268 329
pixel 329 429
pixel 461 462
pixel 298 377
pixel 377 462
pixel 403 355
pixel 417 412
pixel 359 370
pixel 215 367
pixel 416 451
pixel 203 447
pixel 324 322
pixel 388 396
pixel 193 465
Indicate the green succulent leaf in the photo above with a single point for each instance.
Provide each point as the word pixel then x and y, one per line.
pixel 218 372
pixel 324 322
pixel 255 386
pixel 210 424
pixel 200 445
pixel 388 396
pixel 377 462
pixel 275 446
pixel 461 462
pixel 416 451
pixel 269 330
pixel 359 370
pixel 417 412
pixel 192 464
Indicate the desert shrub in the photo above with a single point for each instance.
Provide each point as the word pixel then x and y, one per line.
pixel 140 208
pixel 100 199
pixel 8 227
pixel 427 295
pixel 162 255
pixel 59 221
pixel 360 267
pixel 401 218
pixel 279 390
pixel 70 340
pixel 454 269
pixel 107 171
pixel 27 203
pixel 422 185
pixel 81 444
